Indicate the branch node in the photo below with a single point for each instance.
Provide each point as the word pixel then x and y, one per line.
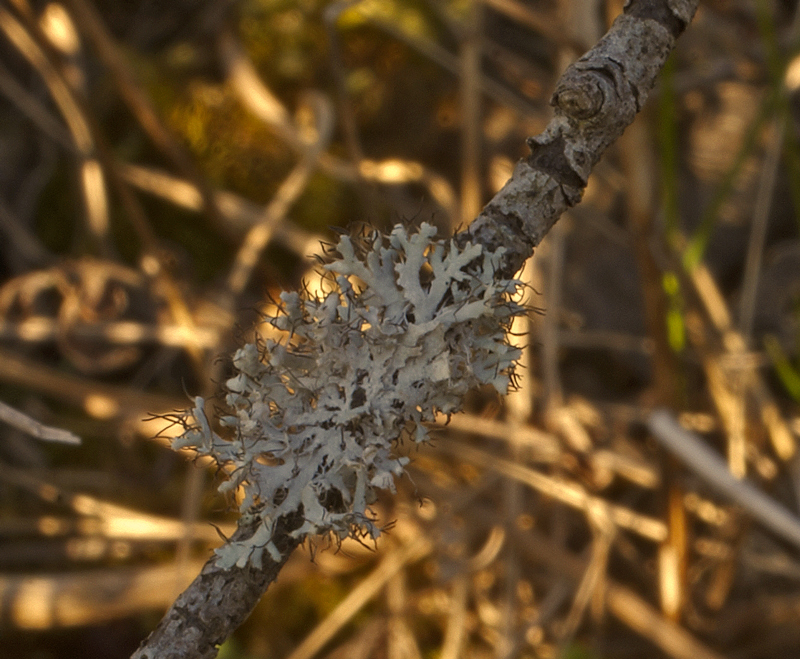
pixel 581 99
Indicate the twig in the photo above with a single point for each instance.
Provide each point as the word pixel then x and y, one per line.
pixel 219 600
pixel 24 423
pixel 595 100
pixel 690 449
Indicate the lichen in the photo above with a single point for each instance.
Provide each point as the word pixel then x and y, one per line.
pixel 411 325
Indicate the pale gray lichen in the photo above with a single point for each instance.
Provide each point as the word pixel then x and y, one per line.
pixel 411 326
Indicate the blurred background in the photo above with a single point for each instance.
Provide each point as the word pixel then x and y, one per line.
pixel 167 168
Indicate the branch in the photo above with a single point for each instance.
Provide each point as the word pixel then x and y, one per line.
pixel 695 454
pixel 214 605
pixel 595 100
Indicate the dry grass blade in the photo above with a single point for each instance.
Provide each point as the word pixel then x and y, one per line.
pixel 402 644
pixel 622 603
pixel 782 440
pixel 258 237
pixel 470 101
pixel 544 525
pixel 643 618
pixel 91 173
pixel 25 243
pixel 569 493
pixel 758 231
pixel 541 445
pixel 255 95
pixel 42 329
pixel 112 520
pixel 592 585
pixel 102 401
pixel 534 19
pixel 389 566
pixel 91 23
pixel 59 89
pixel 34 109
pixel 67 600
pixel 240 212
pixel 456 629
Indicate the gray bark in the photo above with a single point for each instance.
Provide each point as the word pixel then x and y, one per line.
pixel 595 100
pixel 215 604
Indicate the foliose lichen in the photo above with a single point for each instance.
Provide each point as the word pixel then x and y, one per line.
pixel 411 325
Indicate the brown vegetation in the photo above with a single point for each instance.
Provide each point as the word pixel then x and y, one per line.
pixel 166 165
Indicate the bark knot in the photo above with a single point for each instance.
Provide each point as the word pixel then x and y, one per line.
pixel 581 99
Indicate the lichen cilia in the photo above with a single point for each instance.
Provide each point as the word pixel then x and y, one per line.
pixel 411 325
